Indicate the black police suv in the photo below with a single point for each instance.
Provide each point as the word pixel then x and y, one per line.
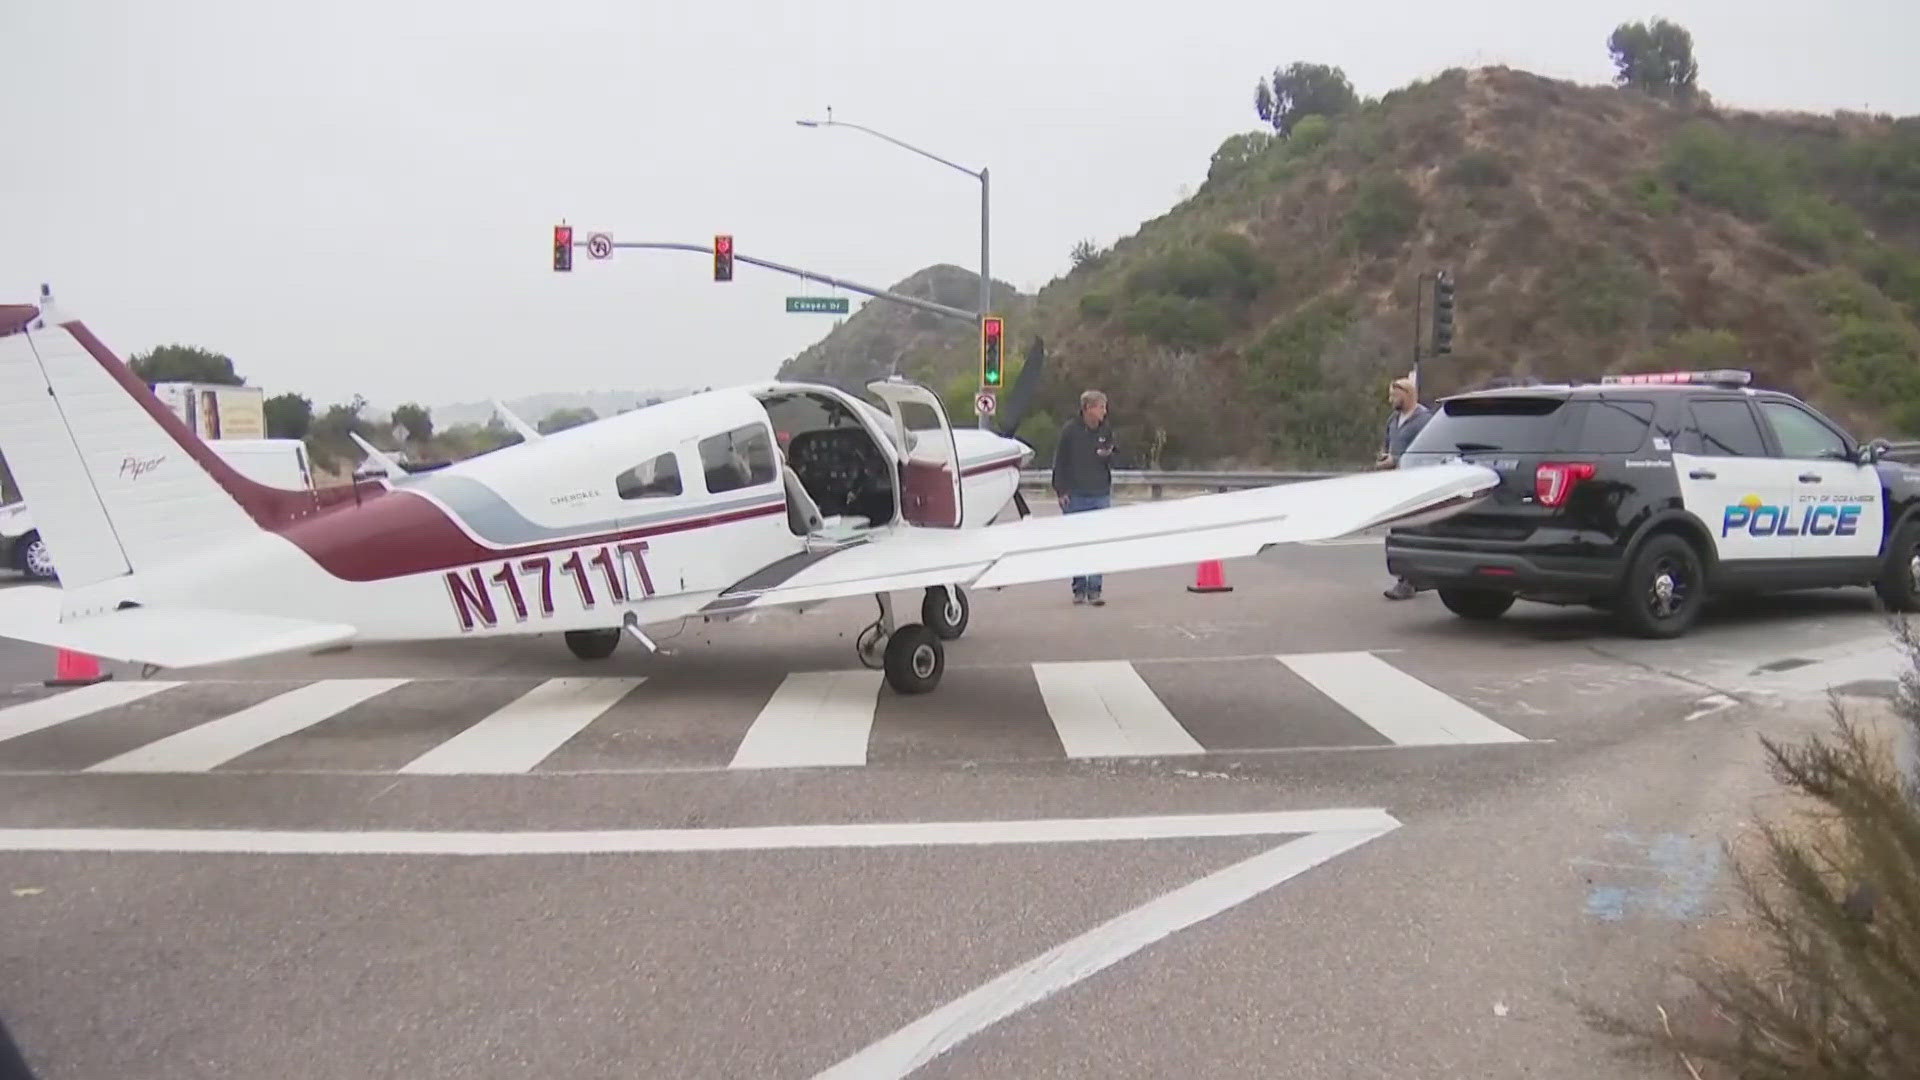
pixel 1644 494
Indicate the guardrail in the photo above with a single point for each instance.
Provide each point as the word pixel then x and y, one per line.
pixel 1158 480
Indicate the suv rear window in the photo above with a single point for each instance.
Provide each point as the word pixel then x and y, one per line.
pixel 1614 426
pixel 1519 424
pixel 1534 425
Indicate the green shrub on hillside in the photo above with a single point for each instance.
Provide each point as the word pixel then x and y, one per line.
pixel 1813 224
pixel 1384 213
pixel 1719 168
pixel 1479 168
pixel 1693 350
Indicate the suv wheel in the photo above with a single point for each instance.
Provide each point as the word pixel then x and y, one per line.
pixel 33 559
pixel 1479 604
pixel 1664 589
pixel 1899 581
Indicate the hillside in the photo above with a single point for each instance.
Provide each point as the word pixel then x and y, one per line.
pixel 1588 229
pixel 883 334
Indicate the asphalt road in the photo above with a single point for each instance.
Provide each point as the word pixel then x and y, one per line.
pixel 1290 830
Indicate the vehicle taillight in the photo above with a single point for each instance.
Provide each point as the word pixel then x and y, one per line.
pixel 1553 481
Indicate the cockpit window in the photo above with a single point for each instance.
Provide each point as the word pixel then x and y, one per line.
pixel 740 458
pixel 652 479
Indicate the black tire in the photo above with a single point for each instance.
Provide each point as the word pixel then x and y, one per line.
pixel 915 659
pixel 24 558
pixel 1478 604
pixel 933 612
pixel 1898 585
pixel 1641 611
pixel 592 644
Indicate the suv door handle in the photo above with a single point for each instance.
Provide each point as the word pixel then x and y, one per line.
pixel 1701 474
pixel 1809 478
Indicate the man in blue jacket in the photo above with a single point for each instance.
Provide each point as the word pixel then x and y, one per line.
pixel 1083 475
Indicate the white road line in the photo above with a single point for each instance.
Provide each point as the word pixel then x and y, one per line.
pixel 913 1046
pixel 216 742
pixel 31 716
pixel 522 733
pixel 743 838
pixel 1394 703
pixel 815 718
pixel 1103 708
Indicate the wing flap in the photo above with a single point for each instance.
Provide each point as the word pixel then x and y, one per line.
pixel 169 637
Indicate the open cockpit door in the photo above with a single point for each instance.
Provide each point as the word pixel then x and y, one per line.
pixel 930 479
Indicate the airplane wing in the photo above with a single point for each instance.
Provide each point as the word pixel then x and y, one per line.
pixel 1135 537
pixel 167 636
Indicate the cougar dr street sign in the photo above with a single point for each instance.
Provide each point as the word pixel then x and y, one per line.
pixel 599 245
pixel 829 305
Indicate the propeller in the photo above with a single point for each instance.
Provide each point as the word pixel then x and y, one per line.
pixel 1020 398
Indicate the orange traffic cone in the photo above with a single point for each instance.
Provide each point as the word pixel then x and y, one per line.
pixel 76 669
pixel 1210 578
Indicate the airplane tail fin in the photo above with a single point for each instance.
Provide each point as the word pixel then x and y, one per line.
pixel 115 480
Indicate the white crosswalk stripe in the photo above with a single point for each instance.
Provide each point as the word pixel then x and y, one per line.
pixel 450 726
pixel 31 716
pixel 219 741
pixel 521 735
pixel 815 718
pixel 1103 708
pixel 1394 703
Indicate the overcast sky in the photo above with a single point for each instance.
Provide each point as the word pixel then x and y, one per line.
pixel 354 196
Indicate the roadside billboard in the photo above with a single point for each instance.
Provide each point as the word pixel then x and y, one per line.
pixel 214 411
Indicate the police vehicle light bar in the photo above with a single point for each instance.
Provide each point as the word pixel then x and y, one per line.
pixel 1719 377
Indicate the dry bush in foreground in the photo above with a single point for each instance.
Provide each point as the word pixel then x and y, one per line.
pixel 1827 984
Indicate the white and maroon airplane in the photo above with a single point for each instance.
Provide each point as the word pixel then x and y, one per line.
pixel 718 504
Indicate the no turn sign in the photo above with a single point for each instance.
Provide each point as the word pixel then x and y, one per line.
pixel 983 403
pixel 599 245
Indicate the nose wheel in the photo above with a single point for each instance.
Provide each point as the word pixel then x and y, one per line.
pixel 911 655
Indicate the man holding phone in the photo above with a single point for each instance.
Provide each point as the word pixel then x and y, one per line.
pixel 1083 475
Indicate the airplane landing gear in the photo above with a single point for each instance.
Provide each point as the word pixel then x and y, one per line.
pixel 947 614
pixel 915 659
pixel 911 655
pixel 592 644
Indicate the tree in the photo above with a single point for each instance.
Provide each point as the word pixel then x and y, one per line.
pixel 185 363
pixel 289 416
pixel 1657 59
pixel 562 419
pixel 416 419
pixel 1238 150
pixel 1303 90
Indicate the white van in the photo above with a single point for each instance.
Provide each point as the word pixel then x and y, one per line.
pixel 280 463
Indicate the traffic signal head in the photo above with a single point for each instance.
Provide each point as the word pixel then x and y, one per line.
pixel 992 330
pixel 1442 313
pixel 723 258
pixel 562 247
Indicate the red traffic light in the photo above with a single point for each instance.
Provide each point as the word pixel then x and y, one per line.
pixel 562 248
pixel 991 327
pixel 723 245
pixel 563 234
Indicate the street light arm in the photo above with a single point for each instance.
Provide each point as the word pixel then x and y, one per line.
pixel 902 145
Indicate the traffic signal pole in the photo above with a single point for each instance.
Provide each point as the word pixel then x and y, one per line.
pixel 814 275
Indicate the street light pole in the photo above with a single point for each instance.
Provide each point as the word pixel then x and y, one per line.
pixel 986 277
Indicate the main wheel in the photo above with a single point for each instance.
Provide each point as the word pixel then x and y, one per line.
pixel 35 560
pixel 1481 604
pixel 1664 590
pixel 1899 580
pixel 915 659
pixel 934 611
pixel 592 644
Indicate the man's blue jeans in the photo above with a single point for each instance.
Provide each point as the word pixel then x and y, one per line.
pixel 1087 584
